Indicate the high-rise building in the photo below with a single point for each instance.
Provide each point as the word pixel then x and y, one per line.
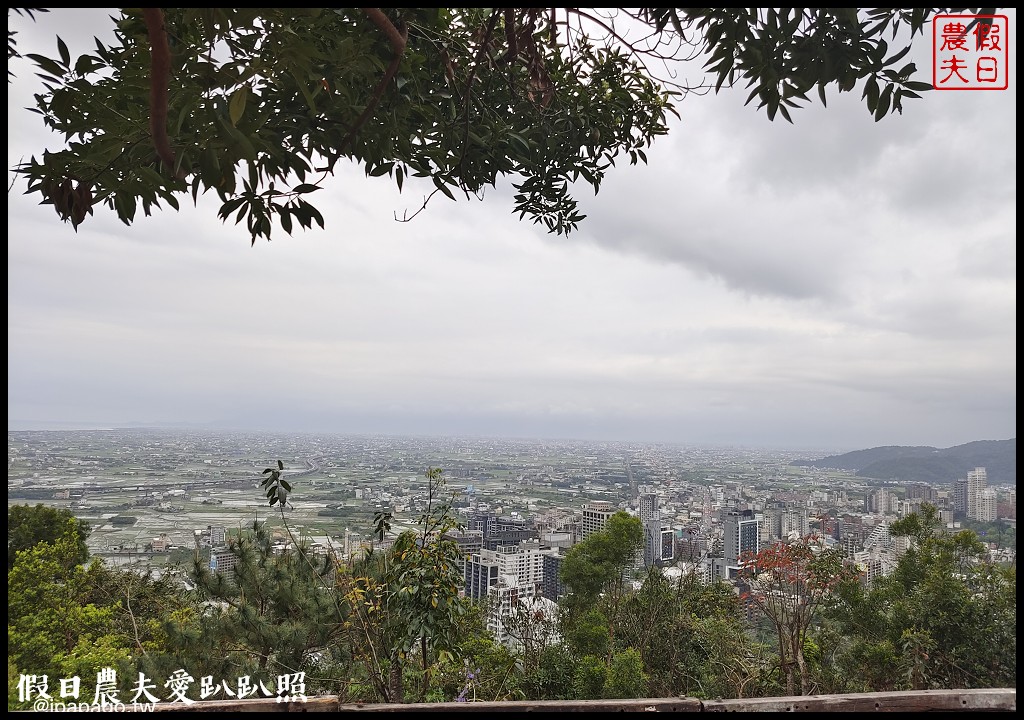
pixel 739 538
pixel 218 535
pixel 524 564
pixel 509 576
pixel 771 524
pixel 879 537
pixel 552 586
pixel 659 543
pixel 1007 507
pixel 668 544
pixel 988 505
pixel 977 480
pixel 795 521
pixel 648 507
pixel 500 530
pixel 880 500
pixel 650 521
pixel 595 517
pixel 481 521
pixel 850 544
pixel 508 535
pixel 480 574
pixel 223 560
pixel 504 596
pixel 469 541
pixel 691 545
pixel 922 491
pixel 960 495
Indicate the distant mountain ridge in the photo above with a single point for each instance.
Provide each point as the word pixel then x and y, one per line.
pixel 928 464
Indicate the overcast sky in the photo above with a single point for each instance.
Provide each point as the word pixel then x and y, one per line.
pixel 835 284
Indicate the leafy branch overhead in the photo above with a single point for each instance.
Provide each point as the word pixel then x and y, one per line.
pixel 259 105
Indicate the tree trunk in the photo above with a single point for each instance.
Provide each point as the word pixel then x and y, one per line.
pixel 785 665
pixel 798 653
pixel 395 684
pixel 425 684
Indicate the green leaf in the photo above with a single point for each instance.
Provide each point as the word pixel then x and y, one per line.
pixel 918 86
pixel 181 119
pixel 65 55
pixel 226 209
pixel 237 105
pixel 317 216
pixel 302 214
pixel 871 93
pixel 880 50
pixel 382 169
pixel 520 143
pixel 898 56
pixel 754 93
pixel 907 70
pixel 242 145
pixel 209 167
pixel 125 204
pixel 46 64
pixel 306 188
pixel 166 195
pixel 151 176
pixel 440 185
pixel 304 90
pixel 883 103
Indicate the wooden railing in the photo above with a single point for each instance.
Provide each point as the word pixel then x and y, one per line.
pixel 987 699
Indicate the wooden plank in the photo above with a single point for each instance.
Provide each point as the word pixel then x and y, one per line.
pixel 1004 699
pixel 985 699
pixel 641 705
pixel 326 703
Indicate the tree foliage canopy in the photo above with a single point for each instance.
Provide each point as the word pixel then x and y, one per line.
pixel 405 601
pixel 29 525
pixel 603 558
pixel 391 619
pixel 789 582
pixel 946 617
pixel 260 105
pixel 65 619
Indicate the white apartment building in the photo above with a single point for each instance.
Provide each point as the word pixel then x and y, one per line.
pixel 977 482
pixel 596 516
pixel 988 505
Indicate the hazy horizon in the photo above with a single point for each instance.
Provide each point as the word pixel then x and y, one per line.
pixel 138 426
pixel 835 283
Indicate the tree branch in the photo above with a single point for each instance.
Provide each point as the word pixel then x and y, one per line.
pixel 406 217
pixel 159 78
pixel 398 39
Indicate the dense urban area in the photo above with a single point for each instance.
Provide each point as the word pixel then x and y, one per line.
pixel 148 493
pixel 160 502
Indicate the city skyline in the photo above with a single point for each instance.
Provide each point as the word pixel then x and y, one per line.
pixel 837 283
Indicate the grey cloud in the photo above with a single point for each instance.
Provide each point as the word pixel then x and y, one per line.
pixel 757 284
